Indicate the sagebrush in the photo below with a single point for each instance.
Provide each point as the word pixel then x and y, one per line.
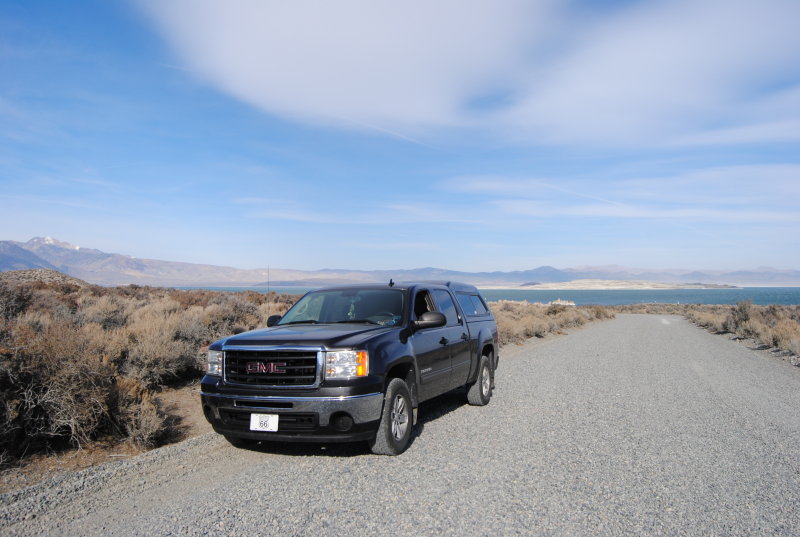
pixel 518 321
pixel 78 362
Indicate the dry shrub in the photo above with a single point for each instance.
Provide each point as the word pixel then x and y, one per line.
pixel 138 414
pixel 108 311
pixel 145 424
pixel 157 353
pixel 191 327
pixel 520 320
pixel 738 318
pixel 708 320
pixel 77 363
pixel 54 303
pixel 14 299
pixel 52 392
pixel 786 335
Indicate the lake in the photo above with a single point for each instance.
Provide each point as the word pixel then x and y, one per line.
pixel 605 297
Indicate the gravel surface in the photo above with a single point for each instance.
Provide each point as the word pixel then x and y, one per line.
pixel 644 425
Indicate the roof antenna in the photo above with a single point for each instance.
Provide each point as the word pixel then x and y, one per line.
pixel 391 282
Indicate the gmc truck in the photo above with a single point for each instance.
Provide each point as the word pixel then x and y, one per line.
pixel 352 363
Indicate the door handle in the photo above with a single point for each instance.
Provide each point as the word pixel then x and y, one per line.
pixel 465 337
pixel 444 341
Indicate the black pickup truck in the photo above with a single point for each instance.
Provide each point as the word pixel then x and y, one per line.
pixel 352 364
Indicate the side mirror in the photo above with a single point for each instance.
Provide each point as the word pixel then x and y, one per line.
pixel 272 320
pixel 430 319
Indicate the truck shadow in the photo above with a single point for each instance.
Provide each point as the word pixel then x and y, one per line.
pixel 352 449
pixel 437 407
pixel 428 411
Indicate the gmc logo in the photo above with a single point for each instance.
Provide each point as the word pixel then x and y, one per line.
pixel 266 367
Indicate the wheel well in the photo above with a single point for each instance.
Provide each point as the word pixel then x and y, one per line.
pixel 488 350
pixel 405 372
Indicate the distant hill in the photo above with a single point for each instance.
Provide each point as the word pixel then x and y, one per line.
pixel 104 268
pixel 39 275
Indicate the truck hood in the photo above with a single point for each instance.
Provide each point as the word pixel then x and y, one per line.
pixel 322 335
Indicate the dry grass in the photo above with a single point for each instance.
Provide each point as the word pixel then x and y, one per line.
pixel 518 321
pixel 79 363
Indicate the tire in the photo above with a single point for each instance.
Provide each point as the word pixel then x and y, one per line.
pixel 396 426
pixel 480 392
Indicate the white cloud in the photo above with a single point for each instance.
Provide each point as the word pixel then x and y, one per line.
pixel 392 64
pixel 661 72
pixel 662 68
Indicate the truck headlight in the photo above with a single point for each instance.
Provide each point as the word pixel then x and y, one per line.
pixel 346 364
pixel 215 363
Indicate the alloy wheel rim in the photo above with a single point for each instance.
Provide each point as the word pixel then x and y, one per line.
pixel 486 381
pixel 399 417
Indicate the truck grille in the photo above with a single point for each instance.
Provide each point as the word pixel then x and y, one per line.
pixel 271 368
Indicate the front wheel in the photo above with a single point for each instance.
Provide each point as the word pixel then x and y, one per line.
pixel 394 432
pixel 479 393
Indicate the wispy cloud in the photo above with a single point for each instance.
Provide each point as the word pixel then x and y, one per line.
pixel 661 72
pixel 674 215
pixel 391 245
pixel 755 193
pixel 383 215
pixel 516 186
pixel 82 204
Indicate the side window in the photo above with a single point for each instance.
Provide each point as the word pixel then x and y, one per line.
pixel 422 303
pixel 447 307
pixel 472 305
pixel 465 301
pixel 480 306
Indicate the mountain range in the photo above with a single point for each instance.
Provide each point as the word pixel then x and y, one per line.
pixel 103 268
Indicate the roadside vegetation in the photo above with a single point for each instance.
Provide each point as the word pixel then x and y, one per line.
pixel 80 362
pixel 775 327
pixel 518 321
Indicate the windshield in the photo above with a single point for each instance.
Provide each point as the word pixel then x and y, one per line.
pixel 369 306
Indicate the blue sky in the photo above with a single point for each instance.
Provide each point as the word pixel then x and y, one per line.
pixel 461 134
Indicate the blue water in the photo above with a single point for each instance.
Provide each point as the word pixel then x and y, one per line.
pixel 758 295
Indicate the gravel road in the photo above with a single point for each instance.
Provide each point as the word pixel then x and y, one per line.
pixel 644 425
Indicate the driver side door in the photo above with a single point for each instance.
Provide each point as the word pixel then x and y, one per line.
pixel 431 349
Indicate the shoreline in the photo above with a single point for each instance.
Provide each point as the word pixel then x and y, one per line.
pixel 608 285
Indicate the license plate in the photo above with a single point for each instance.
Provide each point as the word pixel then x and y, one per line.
pixel 264 422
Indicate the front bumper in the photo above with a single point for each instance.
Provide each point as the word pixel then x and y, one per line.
pixel 303 419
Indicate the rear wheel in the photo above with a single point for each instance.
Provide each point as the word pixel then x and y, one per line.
pixel 480 392
pixel 394 432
